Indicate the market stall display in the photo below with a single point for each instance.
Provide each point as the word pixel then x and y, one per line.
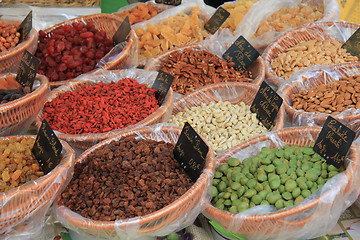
pixel 312 44
pixel 76 46
pixel 198 65
pixel 27 194
pixel 157 216
pixel 11 48
pixel 221 114
pixel 19 113
pixel 308 219
pixel 107 103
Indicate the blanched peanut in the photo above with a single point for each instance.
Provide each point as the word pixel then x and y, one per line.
pixel 9 36
pixel 222 124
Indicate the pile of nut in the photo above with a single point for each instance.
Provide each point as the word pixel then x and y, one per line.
pixel 196 68
pixel 9 35
pixel 222 124
pixel 331 98
pixel 305 54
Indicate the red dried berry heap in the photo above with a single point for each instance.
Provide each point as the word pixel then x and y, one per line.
pixel 71 50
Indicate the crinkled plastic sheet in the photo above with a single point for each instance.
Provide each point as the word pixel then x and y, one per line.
pixel 215 47
pixel 141 76
pixel 234 92
pixel 304 221
pixel 184 8
pixel 172 218
pixel 23 209
pixel 312 77
pixel 263 9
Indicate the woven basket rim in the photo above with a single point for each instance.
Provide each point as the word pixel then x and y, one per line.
pixel 317 26
pixel 278 215
pixel 260 65
pixel 247 86
pixel 198 186
pixel 318 117
pixel 88 18
pixel 42 181
pixel 92 137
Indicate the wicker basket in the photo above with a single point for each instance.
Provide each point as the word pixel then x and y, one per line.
pixel 10 60
pixel 293 37
pixel 102 21
pixel 84 141
pixel 151 222
pixel 53 3
pixel 15 114
pixel 32 198
pixel 278 221
pixel 257 68
pixel 234 92
pixel 315 78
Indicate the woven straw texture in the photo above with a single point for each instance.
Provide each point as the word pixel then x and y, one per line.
pixel 317 78
pixel 84 141
pixel 15 114
pixel 102 21
pixel 293 37
pixel 20 204
pixel 10 60
pixel 151 222
pixel 276 221
pixel 54 3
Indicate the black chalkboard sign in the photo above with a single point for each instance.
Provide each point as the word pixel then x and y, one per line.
pixel 162 84
pixel 25 26
pixel 47 148
pixel 28 68
pixel 352 45
pixel 169 2
pixel 216 20
pixel 241 53
pixel 334 141
pixel 190 151
pixel 266 105
pixel 122 32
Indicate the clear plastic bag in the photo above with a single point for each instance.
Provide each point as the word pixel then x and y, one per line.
pixel 313 217
pixel 263 9
pixel 174 217
pixel 23 209
pixel 86 140
pixel 217 48
pixel 313 77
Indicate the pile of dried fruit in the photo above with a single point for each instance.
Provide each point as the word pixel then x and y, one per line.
pixel 9 36
pixel 141 12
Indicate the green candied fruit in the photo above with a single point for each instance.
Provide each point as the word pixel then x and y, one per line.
pixel 263 194
pixel 281 189
pixel 262 177
pixel 305 193
pixel 233 196
pixel 259 187
pixel 223 167
pixel 240 191
pixel 274 184
pixel 235 185
pixel 279 204
pixel 269 168
pixel 247 161
pixel 249 175
pixel 227 195
pixel 222 186
pixel 287 196
pixel 282 169
pixel 218 174
pixel 265 161
pixel 265 150
pixel 309 184
pixel 253 168
pixel 252 204
pixel 214 191
pixel 242 206
pixel 227 202
pixel 249 193
pixel 244 180
pixel 256 199
pixel 332 168
pixel 233 209
pixel 273 197
pixel 300 172
pixel 303 185
pixel 332 173
pixel 310 175
pixel 173 236
pixel 216 182
pixel 298 200
pixel 251 183
pixel 290 185
pixel 233 162
pixel 289 203
pixel 280 153
pixel 264 202
pixel 296 192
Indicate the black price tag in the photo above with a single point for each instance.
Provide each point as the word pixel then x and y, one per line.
pixel 216 20
pixel 28 68
pixel 162 84
pixel 169 2
pixel 352 45
pixel 25 26
pixel 266 105
pixel 334 141
pixel 190 151
pixel 241 53
pixel 122 32
pixel 47 148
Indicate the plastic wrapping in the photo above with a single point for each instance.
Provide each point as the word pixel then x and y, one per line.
pixel 263 9
pixel 338 30
pixel 86 140
pixel 23 209
pixel 171 218
pixel 185 8
pixel 215 47
pixel 313 77
pixel 234 92
pixel 17 115
pixel 314 217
